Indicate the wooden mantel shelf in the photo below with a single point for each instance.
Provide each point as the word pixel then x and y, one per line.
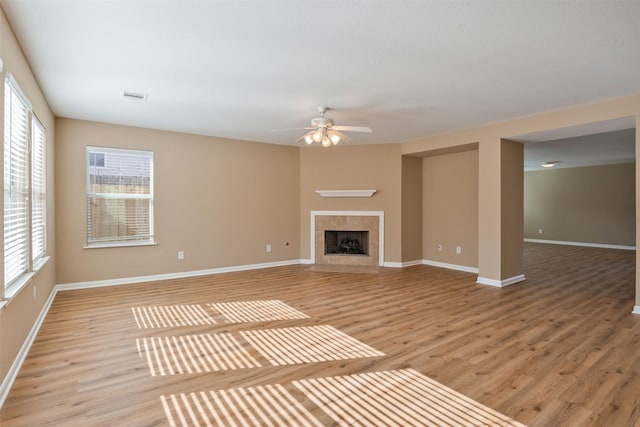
pixel 345 193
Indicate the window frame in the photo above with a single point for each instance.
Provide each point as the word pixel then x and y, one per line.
pixel 115 243
pixel 18 281
pixel 37 258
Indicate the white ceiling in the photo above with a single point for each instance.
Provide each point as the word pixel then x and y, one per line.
pixel 587 150
pixel 591 144
pixel 407 69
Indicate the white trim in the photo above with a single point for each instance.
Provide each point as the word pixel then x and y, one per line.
pixel 636 309
pixel 18 90
pixel 412 263
pixel 169 276
pixel 120 244
pixel 115 150
pixel 305 261
pixel 18 285
pixel 500 283
pixel 589 245
pixel 450 266
pixel 23 281
pixel 393 264
pixel 345 193
pixel 379 214
pixel 11 375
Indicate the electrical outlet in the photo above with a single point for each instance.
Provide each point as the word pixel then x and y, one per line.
pixel 268 248
pixel 458 250
pixel 180 254
pixel 439 248
pixel 539 230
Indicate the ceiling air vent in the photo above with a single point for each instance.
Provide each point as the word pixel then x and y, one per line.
pixel 134 96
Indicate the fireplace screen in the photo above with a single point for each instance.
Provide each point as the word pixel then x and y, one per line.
pixel 346 242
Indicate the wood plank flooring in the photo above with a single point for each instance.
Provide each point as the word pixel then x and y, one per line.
pixel 561 348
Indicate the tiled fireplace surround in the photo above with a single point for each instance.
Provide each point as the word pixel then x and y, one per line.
pixel 348 221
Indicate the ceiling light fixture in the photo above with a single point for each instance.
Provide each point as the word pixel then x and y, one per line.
pixel 324 131
pixel 325 135
pixel 548 164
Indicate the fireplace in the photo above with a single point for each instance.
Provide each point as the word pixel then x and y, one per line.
pixel 347 238
pixel 346 242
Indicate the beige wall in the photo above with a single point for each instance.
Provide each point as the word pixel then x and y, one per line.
pixel 589 204
pixel 220 201
pixel 353 167
pixel 489 138
pixel 450 208
pixel 512 211
pixel 411 209
pixel 18 317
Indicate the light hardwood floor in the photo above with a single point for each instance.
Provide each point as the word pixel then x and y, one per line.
pixel 561 348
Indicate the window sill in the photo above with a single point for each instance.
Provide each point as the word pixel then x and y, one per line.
pixel 22 282
pixel 17 286
pixel 40 263
pixel 119 245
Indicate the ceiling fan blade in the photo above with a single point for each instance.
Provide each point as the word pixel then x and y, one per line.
pixel 353 128
pixel 279 130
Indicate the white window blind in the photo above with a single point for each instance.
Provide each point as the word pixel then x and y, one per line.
pixel 119 197
pixel 16 183
pixel 38 190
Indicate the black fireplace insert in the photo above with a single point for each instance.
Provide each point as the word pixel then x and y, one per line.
pixel 339 242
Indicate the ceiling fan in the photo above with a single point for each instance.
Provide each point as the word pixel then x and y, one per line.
pixel 323 130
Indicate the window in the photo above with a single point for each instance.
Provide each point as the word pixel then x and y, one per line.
pixel 119 197
pixel 24 176
pixel 96 159
pixel 38 193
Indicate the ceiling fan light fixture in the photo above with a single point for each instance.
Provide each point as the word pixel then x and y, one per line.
pixel 323 131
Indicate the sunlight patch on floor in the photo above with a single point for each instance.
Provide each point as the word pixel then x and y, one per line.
pixel 269 405
pixel 190 354
pixel 256 311
pixel 401 397
pixel 170 316
pixel 307 344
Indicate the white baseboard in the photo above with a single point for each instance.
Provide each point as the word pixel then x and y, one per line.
pixel 169 276
pixel 500 283
pixel 392 264
pixel 636 309
pixel 412 263
pixel 450 266
pixel 588 245
pixel 8 380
